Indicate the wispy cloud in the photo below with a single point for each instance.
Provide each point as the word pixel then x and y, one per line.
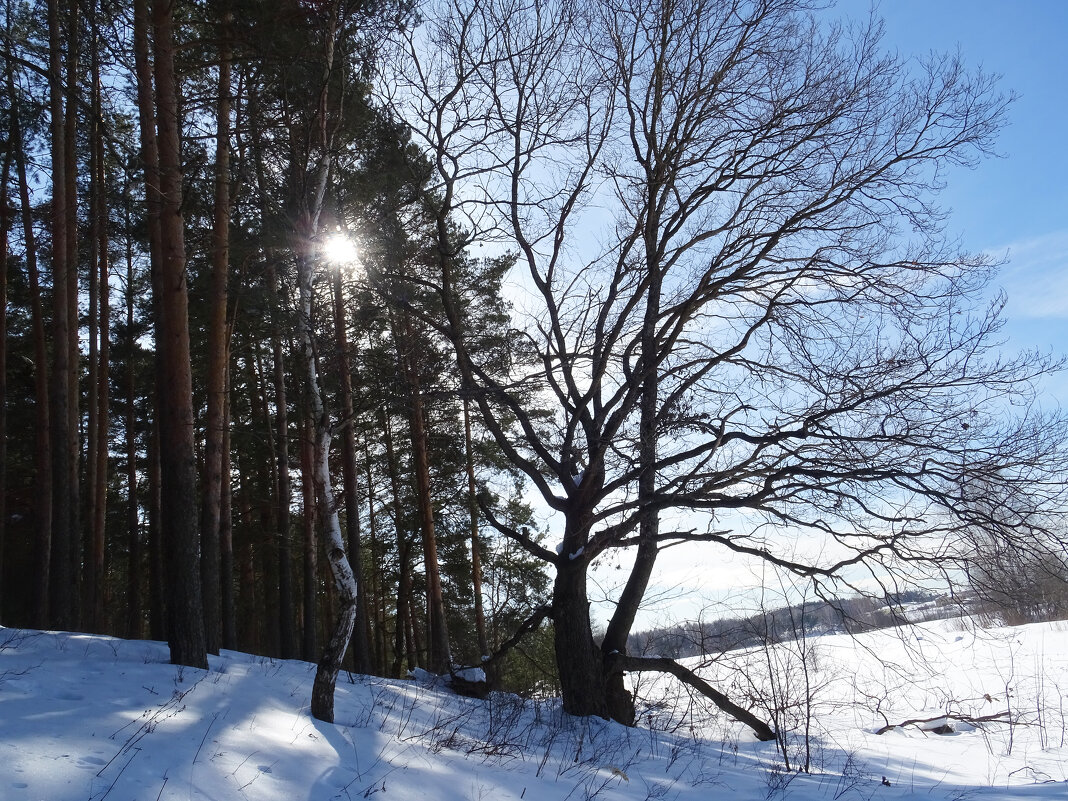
pixel 1036 276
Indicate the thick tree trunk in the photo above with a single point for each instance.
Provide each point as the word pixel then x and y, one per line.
pixel 217 359
pixel 578 658
pixel 177 447
pixel 150 159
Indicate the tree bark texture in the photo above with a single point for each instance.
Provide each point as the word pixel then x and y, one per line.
pixel 217 358
pixel 440 655
pixel 99 353
pixel 61 577
pixel 42 451
pixel 178 488
pixel 578 659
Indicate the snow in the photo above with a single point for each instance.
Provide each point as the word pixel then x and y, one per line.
pixel 93 718
pixel 471 674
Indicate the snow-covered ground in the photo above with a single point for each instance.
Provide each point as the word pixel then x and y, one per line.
pixel 90 718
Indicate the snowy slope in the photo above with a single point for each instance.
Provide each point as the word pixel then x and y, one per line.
pixel 92 718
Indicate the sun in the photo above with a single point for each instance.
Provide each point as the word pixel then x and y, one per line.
pixel 340 249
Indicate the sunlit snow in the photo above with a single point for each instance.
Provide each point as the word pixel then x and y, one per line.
pixel 92 718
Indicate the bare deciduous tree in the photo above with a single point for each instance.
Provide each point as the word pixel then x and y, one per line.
pixel 741 305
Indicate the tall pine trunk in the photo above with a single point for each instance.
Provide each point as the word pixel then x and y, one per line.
pixel 476 550
pixel 362 657
pixel 42 450
pixel 286 614
pixel 439 657
pixel 217 359
pixel 99 342
pixel 70 141
pixel 135 551
pixel 226 544
pixel 185 633
pixel 403 644
pixel 150 160
pixel 377 594
pixel 61 577
pixel 7 213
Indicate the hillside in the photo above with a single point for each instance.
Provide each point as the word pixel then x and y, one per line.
pixel 86 718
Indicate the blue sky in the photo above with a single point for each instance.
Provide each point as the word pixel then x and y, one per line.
pixel 1015 206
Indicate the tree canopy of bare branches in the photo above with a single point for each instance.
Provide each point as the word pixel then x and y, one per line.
pixel 740 306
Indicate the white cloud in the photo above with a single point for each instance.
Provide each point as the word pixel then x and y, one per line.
pixel 1036 276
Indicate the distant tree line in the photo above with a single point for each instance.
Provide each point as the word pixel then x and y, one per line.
pixel 783 624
